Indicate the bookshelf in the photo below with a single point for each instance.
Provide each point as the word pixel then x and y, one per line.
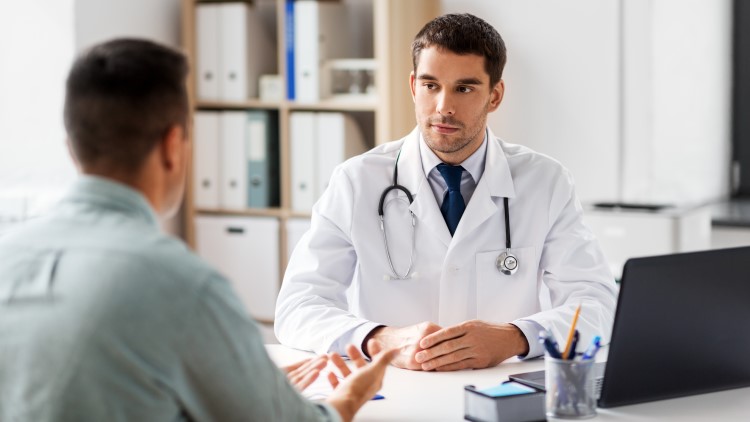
pixel 384 31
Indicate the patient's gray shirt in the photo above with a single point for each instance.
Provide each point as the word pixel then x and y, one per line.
pixel 103 317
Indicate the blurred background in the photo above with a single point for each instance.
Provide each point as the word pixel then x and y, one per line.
pixel 645 101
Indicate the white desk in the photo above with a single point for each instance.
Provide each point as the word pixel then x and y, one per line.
pixel 431 396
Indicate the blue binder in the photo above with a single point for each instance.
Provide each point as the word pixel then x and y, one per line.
pixel 262 146
pixel 289 47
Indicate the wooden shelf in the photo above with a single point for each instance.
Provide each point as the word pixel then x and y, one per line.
pixel 239 105
pixel 253 212
pixel 296 214
pixel 326 105
pixel 335 105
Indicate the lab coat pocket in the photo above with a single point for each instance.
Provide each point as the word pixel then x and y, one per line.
pixel 504 298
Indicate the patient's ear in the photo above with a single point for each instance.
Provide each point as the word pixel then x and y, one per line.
pixel 173 145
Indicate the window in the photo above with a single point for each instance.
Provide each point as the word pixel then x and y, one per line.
pixel 36 50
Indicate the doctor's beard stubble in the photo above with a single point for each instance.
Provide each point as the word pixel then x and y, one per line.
pixel 474 119
pixel 451 146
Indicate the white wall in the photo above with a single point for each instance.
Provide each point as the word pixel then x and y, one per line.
pixel 677 100
pixel 631 95
pixel 38 42
pixel 36 47
pixel 100 20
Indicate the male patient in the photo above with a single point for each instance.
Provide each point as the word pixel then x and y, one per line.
pixel 102 316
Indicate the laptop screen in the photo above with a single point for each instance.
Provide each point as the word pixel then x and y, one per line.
pixel 681 327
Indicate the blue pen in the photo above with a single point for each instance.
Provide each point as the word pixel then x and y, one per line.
pixel 591 351
pixel 550 344
pixel 573 344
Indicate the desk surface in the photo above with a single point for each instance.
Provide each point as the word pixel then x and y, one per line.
pixel 431 396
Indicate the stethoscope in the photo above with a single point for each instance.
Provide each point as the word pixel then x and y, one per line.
pixel 506 262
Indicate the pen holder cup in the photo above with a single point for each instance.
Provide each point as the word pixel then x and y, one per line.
pixel 570 388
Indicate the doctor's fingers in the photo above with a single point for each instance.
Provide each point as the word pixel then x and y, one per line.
pixel 460 359
pixel 424 329
pixel 470 363
pixel 442 349
pixel 442 335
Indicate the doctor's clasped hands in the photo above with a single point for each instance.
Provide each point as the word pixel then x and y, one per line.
pixel 470 345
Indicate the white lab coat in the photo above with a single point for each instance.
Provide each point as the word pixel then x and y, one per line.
pixel 338 284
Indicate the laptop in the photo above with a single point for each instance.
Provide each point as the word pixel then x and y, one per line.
pixel 681 328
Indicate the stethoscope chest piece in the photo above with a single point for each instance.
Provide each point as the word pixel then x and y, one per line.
pixel 507 263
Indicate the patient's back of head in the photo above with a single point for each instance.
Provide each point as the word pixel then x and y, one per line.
pixel 92 294
pixel 121 98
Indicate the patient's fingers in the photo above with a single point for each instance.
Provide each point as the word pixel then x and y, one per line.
pixel 339 363
pixel 306 380
pixel 355 355
pixel 302 367
pixel 333 380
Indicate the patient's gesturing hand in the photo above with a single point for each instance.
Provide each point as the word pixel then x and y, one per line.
pixel 303 373
pixel 360 384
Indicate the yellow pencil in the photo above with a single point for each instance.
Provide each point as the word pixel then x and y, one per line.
pixel 571 332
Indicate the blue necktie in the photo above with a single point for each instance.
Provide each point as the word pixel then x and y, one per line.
pixel 453 204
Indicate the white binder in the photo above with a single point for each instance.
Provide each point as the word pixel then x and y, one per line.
pixel 206 160
pixel 233 51
pixel 302 140
pixel 247 50
pixel 233 165
pixel 246 251
pixel 338 138
pixel 208 72
pixel 319 34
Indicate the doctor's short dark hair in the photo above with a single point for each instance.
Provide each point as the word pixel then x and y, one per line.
pixel 122 97
pixel 463 34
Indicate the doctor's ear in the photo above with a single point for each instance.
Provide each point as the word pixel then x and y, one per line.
pixel 496 95
pixel 412 80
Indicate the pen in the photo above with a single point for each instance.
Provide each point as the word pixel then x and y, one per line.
pixel 572 353
pixel 572 331
pixel 591 351
pixel 549 344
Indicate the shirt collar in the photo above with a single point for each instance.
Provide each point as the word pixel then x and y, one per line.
pixel 107 193
pixel 474 164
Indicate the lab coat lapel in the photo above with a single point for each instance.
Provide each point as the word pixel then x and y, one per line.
pixel 411 175
pixel 495 184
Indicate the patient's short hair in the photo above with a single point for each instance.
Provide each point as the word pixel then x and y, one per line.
pixel 122 97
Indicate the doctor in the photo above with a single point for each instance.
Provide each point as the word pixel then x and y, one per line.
pixel 482 242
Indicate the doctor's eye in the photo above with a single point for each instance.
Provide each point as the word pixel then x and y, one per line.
pixel 465 89
pixel 430 85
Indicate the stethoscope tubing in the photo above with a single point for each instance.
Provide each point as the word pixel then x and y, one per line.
pixel 506 263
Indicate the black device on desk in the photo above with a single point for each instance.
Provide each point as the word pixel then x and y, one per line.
pixel 681 328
